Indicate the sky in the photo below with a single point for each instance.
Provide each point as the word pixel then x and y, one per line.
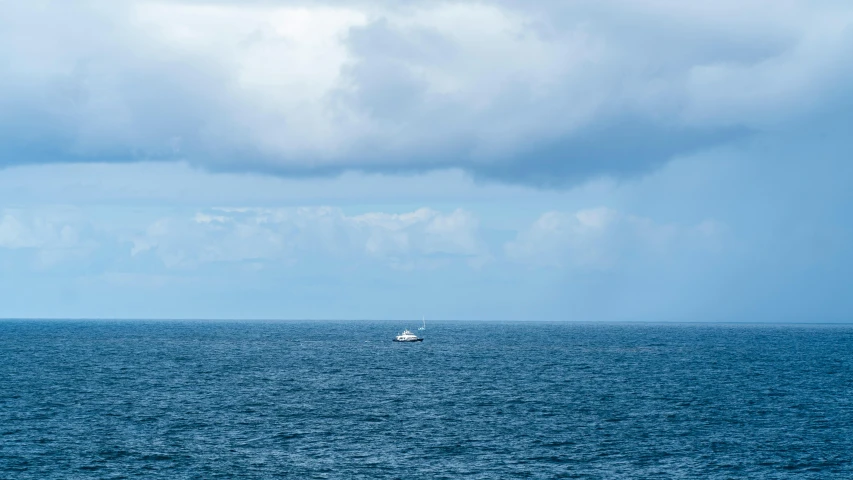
pixel 584 160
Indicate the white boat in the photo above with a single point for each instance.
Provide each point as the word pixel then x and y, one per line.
pixel 408 336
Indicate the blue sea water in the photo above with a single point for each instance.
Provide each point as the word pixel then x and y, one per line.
pixel 99 399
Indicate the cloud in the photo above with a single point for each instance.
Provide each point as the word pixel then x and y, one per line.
pixel 137 243
pixel 601 238
pixel 54 236
pixel 540 93
pixel 257 236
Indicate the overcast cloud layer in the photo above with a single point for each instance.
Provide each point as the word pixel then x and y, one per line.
pixel 543 93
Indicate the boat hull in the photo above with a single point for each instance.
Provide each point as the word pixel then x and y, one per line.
pixel 409 341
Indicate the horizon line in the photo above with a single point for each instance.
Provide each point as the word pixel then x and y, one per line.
pixel 249 320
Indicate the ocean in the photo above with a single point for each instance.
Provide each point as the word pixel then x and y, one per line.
pixel 216 399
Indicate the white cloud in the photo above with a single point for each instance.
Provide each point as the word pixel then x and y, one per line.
pixel 599 238
pixel 287 234
pixel 21 229
pixel 13 234
pixel 424 231
pixel 53 235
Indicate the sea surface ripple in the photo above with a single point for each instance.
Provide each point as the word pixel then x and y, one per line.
pixel 156 399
